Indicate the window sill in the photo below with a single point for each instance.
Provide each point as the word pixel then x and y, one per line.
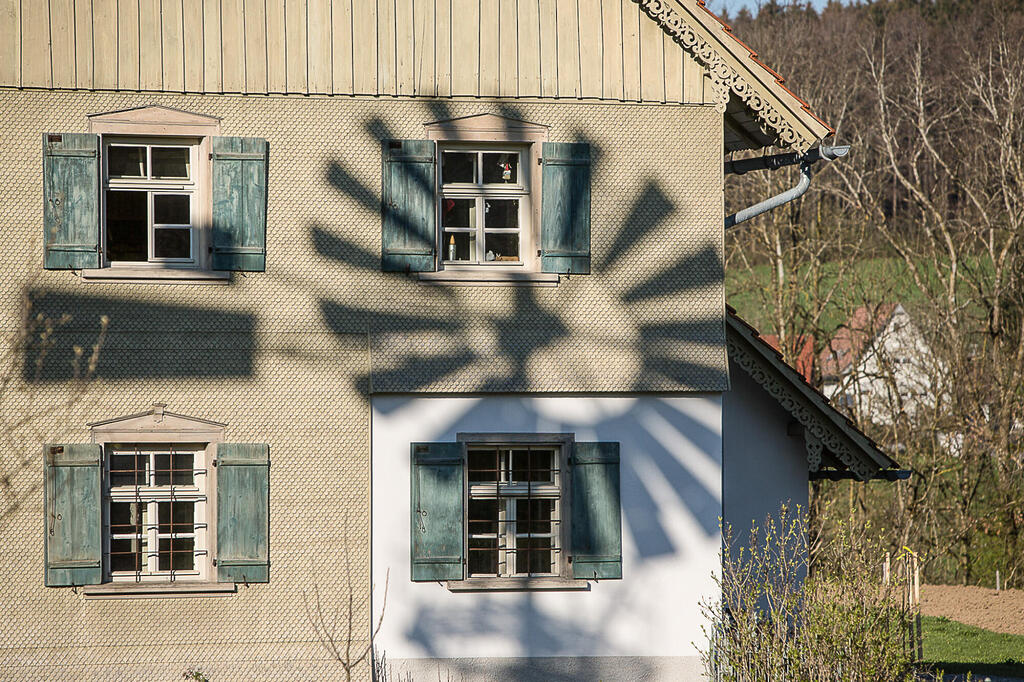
pixel 494 278
pixel 147 275
pixel 518 585
pixel 157 590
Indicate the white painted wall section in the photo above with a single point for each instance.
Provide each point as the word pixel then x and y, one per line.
pixel 765 467
pixel 671 473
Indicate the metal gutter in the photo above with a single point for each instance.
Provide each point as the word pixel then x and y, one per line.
pixel 821 152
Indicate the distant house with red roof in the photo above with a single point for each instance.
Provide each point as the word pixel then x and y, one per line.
pixel 878 364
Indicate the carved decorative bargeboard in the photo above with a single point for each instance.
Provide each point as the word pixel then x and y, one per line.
pixel 819 432
pixel 724 78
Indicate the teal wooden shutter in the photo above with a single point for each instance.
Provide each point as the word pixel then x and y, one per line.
pixel 596 511
pixel 74 521
pixel 565 208
pixel 71 201
pixel 408 232
pixel 239 204
pixel 437 545
pixel 243 512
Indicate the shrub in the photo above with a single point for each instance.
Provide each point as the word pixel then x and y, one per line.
pixel 785 615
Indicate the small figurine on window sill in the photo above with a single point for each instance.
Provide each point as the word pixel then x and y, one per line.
pixel 489 256
pixel 451 248
pixel 506 171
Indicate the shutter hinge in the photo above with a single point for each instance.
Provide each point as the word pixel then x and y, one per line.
pixel 214 462
pixel 214 562
pixel 211 156
pixel 540 161
pixel 57 450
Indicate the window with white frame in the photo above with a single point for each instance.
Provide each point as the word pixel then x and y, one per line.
pixel 484 206
pixel 513 516
pixel 156 512
pixel 150 201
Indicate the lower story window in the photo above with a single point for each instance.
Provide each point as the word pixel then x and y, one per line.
pixel 157 507
pixel 513 515
pixel 515 511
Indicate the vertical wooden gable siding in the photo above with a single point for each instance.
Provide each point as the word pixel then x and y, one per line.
pixel 592 49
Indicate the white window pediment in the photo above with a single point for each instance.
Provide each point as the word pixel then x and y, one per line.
pixel 153 120
pixel 486 128
pixel 156 424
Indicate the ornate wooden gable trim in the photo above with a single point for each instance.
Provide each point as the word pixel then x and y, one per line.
pixel 831 441
pixel 775 108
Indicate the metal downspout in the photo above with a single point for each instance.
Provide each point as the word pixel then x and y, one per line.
pixel 774 202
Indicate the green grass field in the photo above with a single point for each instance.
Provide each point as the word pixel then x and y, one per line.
pixel 957 648
pixel 872 280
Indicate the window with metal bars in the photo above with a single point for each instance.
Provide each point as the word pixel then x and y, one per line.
pixel 156 512
pixel 513 516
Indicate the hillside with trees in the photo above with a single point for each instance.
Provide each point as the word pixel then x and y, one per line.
pixel 926 211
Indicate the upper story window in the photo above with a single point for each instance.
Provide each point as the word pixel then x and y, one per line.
pixel 154 193
pixel 484 207
pixel 486 199
pixel 151 201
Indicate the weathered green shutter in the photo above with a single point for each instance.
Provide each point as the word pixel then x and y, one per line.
pixel 243 512
pixel 74 521
pixel 71 201
pixel 596 511
pixel 437 503
pixel 239 204
pixel 407 232
pixel 565 208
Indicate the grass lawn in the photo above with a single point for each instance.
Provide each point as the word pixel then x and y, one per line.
pixel 958 648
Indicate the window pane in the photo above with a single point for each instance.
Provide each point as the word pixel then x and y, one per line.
pixel 177 517
pixel 483 516
pixel 128 468
pixel 171 209
pixel 458 167
pixel 520 465
pixel 534 516
pixel 127 517
pixel 533 555
pixel 483 556
pixel 126 162
pixel 532 465
pixel 172 242
pixel 176 467
pixel 127 555
pixel 501 168
pixel 459 246
pixel 483 466
pixel 501 213
pixel 458 213
pixel 171 163
pixel 501 246
pixel 177 554
pixel 127 226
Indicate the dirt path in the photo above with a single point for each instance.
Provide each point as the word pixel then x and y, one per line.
pixel 978 606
